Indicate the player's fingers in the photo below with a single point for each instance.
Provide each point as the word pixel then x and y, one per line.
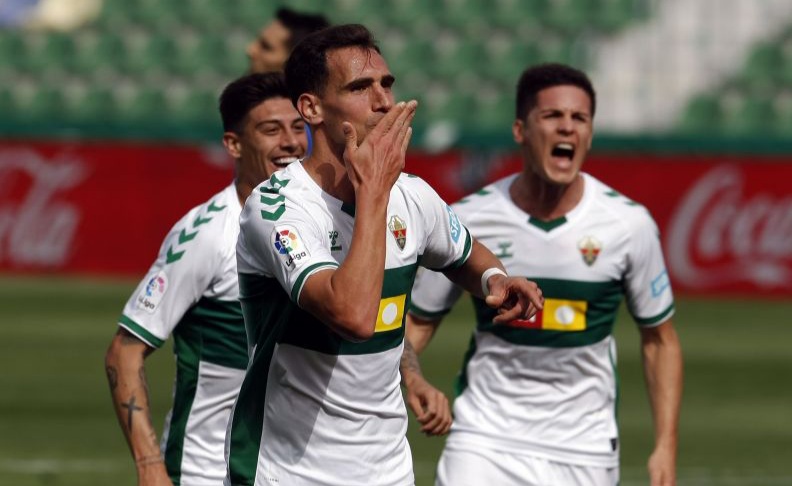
pixel 508 315
pixel 416 406
pixel 388 120
pixel 350 136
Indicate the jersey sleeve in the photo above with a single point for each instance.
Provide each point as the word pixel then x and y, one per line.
pixel 178 278
pixel 448 242
pixel 433 295
pixel 647 285
pixel 290 248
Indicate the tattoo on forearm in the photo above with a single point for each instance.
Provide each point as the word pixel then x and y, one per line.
pixel 409 360
pixel 148 460
pixel 131 409
pixel 112 377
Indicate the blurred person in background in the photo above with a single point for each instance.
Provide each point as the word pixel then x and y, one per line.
pixel 191 291
pixel 537 397
pixel 327 257
pixel 269 51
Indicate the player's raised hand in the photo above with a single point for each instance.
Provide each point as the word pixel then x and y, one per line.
pixel 514 298
pixel 376 162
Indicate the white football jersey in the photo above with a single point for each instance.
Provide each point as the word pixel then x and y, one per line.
pixel 315 408
pixel 191 291
pixel 547 386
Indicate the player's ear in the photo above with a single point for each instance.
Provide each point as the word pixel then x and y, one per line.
pixel 232 144
pixel 518 131
pixel 310 108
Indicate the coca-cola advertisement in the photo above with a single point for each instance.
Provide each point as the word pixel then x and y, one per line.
pixel 726 221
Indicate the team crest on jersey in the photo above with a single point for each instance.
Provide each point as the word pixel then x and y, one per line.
pixel 289 246
pixel 152 293
pixel 398 229
pixel 590 249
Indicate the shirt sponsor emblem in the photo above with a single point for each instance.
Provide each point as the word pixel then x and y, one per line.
pixel 398 229
pixel 391 313
pixel 590 249
pixel 290 248
pixel 557 315
pixel 660 283
pixel 454 224
pixel 152 293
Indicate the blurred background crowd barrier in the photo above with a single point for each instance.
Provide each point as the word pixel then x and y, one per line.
pixel 109 129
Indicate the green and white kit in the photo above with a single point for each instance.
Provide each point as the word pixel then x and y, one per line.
pixel 315 408
pixel 191 291
pixel 547 387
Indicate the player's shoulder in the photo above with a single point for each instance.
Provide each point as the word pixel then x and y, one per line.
pixel 289 195
pixel 629 212
pixel 205 231
pixel 485 201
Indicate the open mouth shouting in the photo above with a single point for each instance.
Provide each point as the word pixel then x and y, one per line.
pixel 563 153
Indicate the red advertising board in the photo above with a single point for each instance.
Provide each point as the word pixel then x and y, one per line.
pixel 104 208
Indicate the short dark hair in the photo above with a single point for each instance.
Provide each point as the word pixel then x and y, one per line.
pixel 536 78
pixel 300 24
pixel 306 68
pixel 246 93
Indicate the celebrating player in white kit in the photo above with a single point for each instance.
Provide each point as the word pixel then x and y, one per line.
pixel 537 398
pixel 337 240
pixel 191 291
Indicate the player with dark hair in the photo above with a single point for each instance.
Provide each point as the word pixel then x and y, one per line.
pixel 335 242
pixel 192 292
pixel 537 397
pixel 269 51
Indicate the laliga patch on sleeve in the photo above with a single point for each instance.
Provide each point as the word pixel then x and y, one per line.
pixel 290 247
pixel 660 283
pixel 454 224
pixel 152 293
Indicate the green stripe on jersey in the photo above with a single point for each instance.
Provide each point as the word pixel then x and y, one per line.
pixel 603 300
pixel 218 329
pixel 647 321
pixel 141 331
pixel 264 303
pixel 187 364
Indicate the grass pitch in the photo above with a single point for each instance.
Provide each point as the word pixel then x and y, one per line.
pixel 57 425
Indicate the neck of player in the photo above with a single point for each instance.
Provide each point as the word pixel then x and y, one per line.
pixel 544 200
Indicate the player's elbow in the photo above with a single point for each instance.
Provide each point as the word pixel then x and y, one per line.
pixel 353 324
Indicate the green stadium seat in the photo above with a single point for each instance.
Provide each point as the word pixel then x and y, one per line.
pixel 609 16
pixel 47 104
pixel 147 104
pixel 454 56
pixel 702 115
pixel 567 17
pixel 761 69
pixel 97 105
pixel 158 53
pixel 752 115
pixel 198 106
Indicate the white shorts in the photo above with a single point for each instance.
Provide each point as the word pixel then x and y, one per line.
pixel 493 468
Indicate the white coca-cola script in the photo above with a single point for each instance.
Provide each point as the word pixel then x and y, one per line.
pixel 37 229
pixel 719 236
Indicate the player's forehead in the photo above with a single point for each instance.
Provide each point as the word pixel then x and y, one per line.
pixel 347 64
pixel 277 109
pixel 566 97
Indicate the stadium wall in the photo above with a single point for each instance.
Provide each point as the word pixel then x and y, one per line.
pixel 103 209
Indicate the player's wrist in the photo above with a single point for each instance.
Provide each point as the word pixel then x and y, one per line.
pixel 489 273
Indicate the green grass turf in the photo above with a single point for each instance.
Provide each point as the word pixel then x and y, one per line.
pixel 57 426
